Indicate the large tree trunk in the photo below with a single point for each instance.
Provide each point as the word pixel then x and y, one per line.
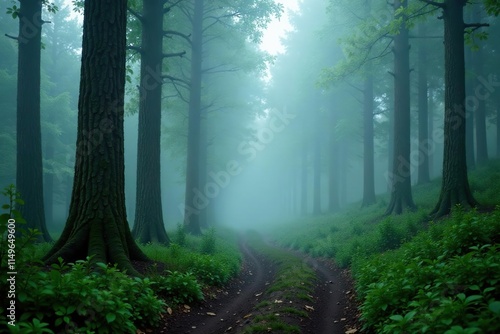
pixel 193 206
pixel 148 225
pixel 498 124
pixel 401 196
pixel 29 177
pixel 424 144
pixel 368 149
pixel 455 185
pixel 97 223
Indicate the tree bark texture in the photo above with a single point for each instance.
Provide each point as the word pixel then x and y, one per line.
pixel 192 205
pixel 368 144
pixel 400 178
pixel 29 168
pixel 455 185
pixel 148 224
pixel 97 223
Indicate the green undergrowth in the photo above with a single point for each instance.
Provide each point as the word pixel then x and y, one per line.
pixel 446 280
pixel 82 297
pixel 358 232
pixel 414 275
pixel 286 296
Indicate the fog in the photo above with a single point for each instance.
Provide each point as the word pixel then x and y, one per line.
pixel 281 131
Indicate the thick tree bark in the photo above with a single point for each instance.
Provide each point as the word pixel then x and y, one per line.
pixel 368 149
pixel 29 170
pixel 97 223
pixel 193 203
pixel 401 196
pixel 455 185
pixel 424 144
pixel 148 225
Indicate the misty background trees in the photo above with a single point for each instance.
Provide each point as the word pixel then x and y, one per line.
pixel 366 100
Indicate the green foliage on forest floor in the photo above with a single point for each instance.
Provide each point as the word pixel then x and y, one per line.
pixel 414 275
pixel 446 280
pixel 286 295
pixel 82 298
pixel 355 232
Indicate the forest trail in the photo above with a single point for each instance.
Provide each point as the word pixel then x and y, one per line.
pixel 333 309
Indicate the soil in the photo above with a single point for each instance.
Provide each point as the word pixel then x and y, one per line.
pixel 231 308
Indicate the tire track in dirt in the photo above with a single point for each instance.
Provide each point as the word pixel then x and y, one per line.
pixel 231 305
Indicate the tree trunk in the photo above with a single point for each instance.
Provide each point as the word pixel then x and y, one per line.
pixel 368 149
pixel 424 144
pixel 49 181
pixel 97 223
pixel 480 115
pixel 333 184
pixel 29 169
pixel 195 200
pixel 432 144
pixel 469 114
pixel 400 178
pixel 455 185
pixel 303 178
pixel 148 225
pixel 202 165
pixel 498 124
pixel 317 164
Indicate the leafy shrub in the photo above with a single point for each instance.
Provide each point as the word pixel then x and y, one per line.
pixel 180 235
pixel 446 280
pixel 208 242
pixel 178 287
pixel 72 298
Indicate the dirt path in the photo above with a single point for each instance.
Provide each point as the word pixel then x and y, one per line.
pixel 333 311
pixel 231 304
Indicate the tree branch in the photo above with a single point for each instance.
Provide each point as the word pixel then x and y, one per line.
pixel 176 33
pixel 13 37
pixel 169 8
pixel 434 3
pixel 475 26
pixel 136 14
pixel 134 48
pixel 176 54
pixel 174 79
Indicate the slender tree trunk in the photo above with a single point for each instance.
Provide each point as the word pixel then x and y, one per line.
pixel 97 223
pixel 148 224
pixel 29 177
pixel 195 200
pixel 455 185
pixel 480 115
pixel 203 163
pixel 470 110
pixel 303 178
pixel 333 184
pixel 424 144
pixel 49 181
pixel 431 136
pixel 368 149
pixel 401 196
pixel 498 124
pixel 317 165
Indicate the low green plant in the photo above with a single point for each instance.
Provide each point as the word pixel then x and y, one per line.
pixel 208 242
pixel 178 288
pixel 446 280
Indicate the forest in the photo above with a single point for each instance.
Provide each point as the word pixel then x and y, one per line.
pixel 250 166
